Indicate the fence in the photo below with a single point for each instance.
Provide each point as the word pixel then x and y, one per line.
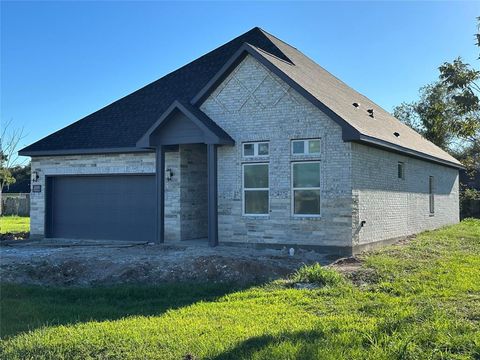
pixel 470 208
pixel 15 204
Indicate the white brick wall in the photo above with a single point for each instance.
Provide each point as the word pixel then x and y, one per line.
pixel 172 197
pixel 254 104
pixel 394 207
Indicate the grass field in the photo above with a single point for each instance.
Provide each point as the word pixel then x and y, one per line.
pixel 13 224
pixel 416 301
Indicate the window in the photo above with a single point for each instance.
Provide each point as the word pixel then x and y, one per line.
pixel 255 149
pixel 255 189
pixel 306 147
pixel 401 170
pixel 306 188
pixel 431 192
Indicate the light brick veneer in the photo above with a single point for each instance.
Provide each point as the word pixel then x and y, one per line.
pixel 253 104
pixel 358 183
pixel 394 207
pixel 142 163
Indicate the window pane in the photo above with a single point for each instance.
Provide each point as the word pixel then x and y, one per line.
pixel 248 150
pixel 256 202
pixel 307 202
pixel 298 147
pixel 432 196
pixel 400 170
pixel 263 149
pixel 255 176
pixel 314 147
pixel 306 175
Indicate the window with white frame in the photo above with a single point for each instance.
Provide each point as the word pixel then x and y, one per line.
pixel 255 189
pixel 255 149
pixel 306 147
pixel 306 188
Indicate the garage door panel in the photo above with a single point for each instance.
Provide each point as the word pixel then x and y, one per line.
pixel 120 207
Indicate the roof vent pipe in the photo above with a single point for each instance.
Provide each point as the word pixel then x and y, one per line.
pixel 396 134
pixel 356 105
pixel 370 112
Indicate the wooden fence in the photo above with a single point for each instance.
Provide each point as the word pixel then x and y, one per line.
pixel 15 204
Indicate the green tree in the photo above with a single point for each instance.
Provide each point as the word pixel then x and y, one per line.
pixel 448 111
pixel 448 114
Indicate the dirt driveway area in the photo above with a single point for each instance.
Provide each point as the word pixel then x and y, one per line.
pixel 86 263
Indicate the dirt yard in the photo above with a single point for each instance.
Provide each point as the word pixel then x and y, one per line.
pixel 87 263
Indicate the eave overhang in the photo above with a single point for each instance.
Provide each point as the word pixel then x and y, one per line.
pixel 349 132
pixel 92 151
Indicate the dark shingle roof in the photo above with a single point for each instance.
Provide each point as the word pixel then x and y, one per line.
pixel 122 123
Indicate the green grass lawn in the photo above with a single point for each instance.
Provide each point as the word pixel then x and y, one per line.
pixel 12 224
pixel 418 301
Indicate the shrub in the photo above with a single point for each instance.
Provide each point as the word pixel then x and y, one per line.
pixel 318 275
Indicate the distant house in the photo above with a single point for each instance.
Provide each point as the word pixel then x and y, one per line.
pixel 252 143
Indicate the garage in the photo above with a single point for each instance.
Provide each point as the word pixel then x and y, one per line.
pixel 112 207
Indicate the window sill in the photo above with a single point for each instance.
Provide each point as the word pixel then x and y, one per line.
pixel 256 216
pixel 306 217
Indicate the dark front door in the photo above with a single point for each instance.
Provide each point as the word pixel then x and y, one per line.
pixel 113 207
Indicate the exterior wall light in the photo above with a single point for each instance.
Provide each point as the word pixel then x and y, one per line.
pixel 35 176
pixel 168 174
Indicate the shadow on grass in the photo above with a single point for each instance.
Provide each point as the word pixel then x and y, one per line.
pixel 302 341
pixel 24 308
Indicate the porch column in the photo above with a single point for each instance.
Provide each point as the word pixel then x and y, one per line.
pixel 160 182
pixel 212 195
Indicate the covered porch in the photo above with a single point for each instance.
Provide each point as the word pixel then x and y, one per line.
pixel 188 131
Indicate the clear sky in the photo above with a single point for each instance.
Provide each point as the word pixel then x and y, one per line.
pixel 61 61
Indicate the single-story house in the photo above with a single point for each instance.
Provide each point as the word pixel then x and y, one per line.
pixel 252 143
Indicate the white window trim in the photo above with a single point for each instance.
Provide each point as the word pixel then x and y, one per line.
pixel 306 148
pixel 292 190
pixel 255 189
pixel 255 149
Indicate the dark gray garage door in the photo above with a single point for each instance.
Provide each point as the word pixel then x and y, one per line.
pixel 120 207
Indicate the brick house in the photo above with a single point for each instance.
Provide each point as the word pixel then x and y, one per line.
pixel 252 143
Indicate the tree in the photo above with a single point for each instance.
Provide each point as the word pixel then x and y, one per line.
pixel 448 111
pixel 9 141
pixel 448 114
pixel 434 116
pixel 22 175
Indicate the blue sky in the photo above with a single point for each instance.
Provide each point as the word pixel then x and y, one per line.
pixel 61 61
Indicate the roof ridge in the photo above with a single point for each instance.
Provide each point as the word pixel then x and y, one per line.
pixel 276 38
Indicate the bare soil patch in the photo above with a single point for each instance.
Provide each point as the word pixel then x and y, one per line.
pixel 22 235
pixel 89 263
